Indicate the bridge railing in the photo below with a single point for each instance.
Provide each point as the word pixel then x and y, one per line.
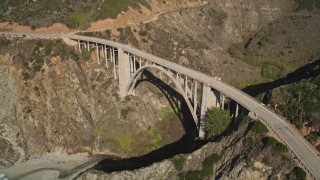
pixel 291 150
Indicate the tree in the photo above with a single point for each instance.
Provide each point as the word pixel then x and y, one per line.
pixel 259 128
pixel 297 173
pixel 217 121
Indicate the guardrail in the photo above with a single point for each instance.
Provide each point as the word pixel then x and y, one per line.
pixel 290 148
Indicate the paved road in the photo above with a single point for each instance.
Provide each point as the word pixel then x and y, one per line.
pixel 306 154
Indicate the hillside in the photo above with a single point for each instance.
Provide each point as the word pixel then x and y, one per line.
pixel 57 99
pixel 54 99
pixel 299 102
pixel 68 16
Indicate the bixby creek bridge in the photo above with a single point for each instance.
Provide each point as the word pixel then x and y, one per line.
pixel 129 64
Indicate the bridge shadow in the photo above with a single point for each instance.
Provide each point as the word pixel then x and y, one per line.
pixel 304 72
pixel 175 99
pixel 187 144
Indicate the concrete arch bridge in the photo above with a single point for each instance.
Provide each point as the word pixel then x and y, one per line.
pixel 199 90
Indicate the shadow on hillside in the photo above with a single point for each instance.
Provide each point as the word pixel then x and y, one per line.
pixel 304 72
pixel 187 144
pixel 175 99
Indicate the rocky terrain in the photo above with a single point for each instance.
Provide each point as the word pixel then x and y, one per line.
pixel 199 37
pixel 55 99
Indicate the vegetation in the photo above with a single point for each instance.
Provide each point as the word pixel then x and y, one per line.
pixel 300 101
pixel 249 162
pixel 217 121
pixel 34 54
pixel 111 8
pixel 73 13
pixel 276 146
pixel 179 162
pixel 207 168
pixel 298 172
pixel 244 120
pixel 86 55
pixel 125 142
pixel 165 111
pixel 308 4
pixel 125 112
pixel 259 128
pixel 156 137
pixel 79 19
pixel 249 142
pixel 4 42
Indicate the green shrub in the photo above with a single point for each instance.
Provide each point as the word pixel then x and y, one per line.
pixel 207 168
pixel 249 142
pixel 249 162
pixel 125 112
pixel 299 172
pixel 78 19
pixel 193 175
pixel 217 121
pixel 164 112
pixel 244 120
pixel 179 162
pixel 277 146
pixel 207 164
pixel 26 76
pixel 259 128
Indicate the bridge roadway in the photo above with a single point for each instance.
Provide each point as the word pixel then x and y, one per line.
pixel 297 144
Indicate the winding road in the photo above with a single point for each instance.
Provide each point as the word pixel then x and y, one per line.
pixel 305 153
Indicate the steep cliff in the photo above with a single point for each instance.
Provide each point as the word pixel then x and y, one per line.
pixel 52 100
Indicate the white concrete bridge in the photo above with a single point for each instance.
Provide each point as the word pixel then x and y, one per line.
pixel 129 63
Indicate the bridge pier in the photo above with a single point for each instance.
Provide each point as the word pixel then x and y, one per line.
pixel 124 72
pixel 115 62
pixel 222 101
pixel 105 51
pixel 79 42
pixel 98 54
pixel 195 95
pixel 236 113
pixel 203 110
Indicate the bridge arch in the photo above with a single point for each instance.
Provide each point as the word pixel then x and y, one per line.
pixel 132 84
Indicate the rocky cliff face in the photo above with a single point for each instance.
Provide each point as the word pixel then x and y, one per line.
pixel 72 105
